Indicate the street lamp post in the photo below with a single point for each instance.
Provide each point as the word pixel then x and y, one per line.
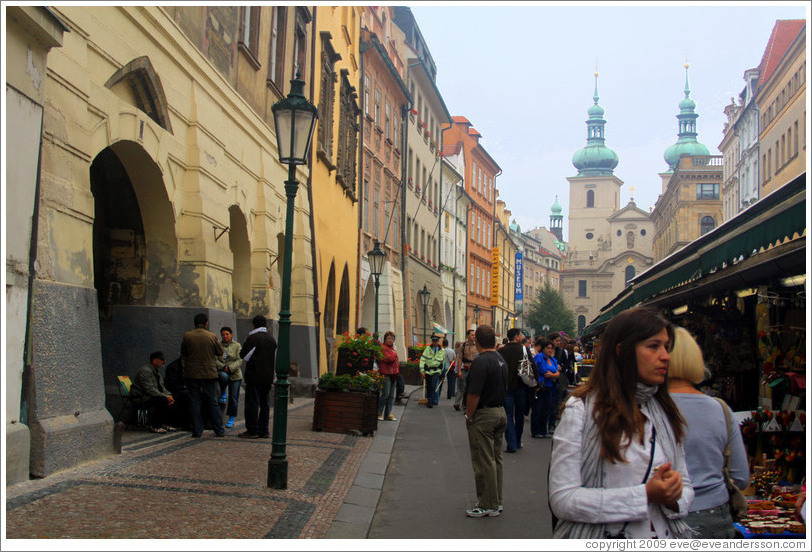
pixel 545 328
pixel 476 315
pixel 376 260
pixel 424 298
pixel 507 323
pixel 295 120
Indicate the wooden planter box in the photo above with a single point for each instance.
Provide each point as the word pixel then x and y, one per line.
pixel 348 364
pixel 411 375
pixel 345 411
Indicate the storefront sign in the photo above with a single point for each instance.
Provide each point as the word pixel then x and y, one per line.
pixel 519 272
pixel 495 276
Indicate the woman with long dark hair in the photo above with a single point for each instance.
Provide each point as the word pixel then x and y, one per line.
pixel 618 466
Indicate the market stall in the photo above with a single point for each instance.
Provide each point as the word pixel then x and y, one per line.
pixel 740 290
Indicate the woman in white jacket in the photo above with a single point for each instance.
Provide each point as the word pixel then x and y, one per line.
pixel 618 466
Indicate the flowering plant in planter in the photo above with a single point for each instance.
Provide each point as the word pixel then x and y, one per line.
pixel 360 381
pixel 360 345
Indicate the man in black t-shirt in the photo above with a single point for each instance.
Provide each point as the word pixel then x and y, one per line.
pixel 486 422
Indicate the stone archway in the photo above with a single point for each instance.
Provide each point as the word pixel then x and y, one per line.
pixel 328 318
pixel 343 309
pixel 135 263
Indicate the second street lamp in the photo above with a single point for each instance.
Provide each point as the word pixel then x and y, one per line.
pixel 507 323
pixel 376 261
pixel 476 315
pixel 295 120
pixel 424 298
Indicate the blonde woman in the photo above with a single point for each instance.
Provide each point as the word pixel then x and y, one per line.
pixel 705 442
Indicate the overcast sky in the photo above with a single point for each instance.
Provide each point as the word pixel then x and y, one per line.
pixel 523 74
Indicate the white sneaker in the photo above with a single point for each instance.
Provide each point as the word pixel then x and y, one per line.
pixel 481 512
pixel 380 418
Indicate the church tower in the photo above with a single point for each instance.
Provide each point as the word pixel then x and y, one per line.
pixel 557 220
pixel 607 245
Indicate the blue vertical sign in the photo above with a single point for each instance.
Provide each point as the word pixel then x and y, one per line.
pixel 519 272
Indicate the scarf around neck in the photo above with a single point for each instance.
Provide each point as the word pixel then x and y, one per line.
pixel 592 464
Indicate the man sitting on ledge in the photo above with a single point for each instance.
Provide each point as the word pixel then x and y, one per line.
pixel 149 392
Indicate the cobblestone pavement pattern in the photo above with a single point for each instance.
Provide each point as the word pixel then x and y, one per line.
pixel 175 486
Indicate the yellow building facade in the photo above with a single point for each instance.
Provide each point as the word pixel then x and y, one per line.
pixel 334 170
pixel 161 197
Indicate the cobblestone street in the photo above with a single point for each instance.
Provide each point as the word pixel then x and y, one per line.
pixel 163 486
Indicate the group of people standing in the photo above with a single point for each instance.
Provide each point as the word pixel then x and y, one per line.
pixel 210 372
pixel 638 451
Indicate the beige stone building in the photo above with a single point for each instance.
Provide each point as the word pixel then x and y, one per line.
pixel 782 104
pixel 689 206
pixel 161 196
pixel 423 191
pixel 30 33
pixel 607 244
pixel 385 103
pixel 729 146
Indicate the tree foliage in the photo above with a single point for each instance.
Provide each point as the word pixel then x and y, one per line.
pixel 548 308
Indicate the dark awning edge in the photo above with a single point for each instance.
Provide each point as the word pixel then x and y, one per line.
pixel 773 220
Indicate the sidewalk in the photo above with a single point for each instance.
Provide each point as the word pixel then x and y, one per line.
pixel 174 486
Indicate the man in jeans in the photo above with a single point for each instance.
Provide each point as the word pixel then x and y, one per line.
pixel 517 392
pixel 465 357
pixel 199 351
pixel 486 422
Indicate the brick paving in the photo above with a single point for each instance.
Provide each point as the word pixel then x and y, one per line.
pixel 174 486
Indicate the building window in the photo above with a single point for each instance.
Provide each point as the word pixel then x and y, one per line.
pixel 377 116
pixel 619 233
pixel 629 273
pixel 327 97
pixel 276 56
pixel 249 31
pixel 375 228
pixel 643 232
pixel 706 225
pixel 387 118
pixel 707 191
pixel 346 164
pixel 581 288
pixel 396 132
pixel 581 323
pixel 590 198
pixel 589 235
pixel 300 44
pixel 366 95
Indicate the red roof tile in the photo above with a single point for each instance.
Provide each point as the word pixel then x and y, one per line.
pixel 462 120
pixel 784 32
pixel 474 132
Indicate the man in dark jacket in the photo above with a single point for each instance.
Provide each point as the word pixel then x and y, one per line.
pixel 149 392
pixel 259 353
pixel 198 352
pixel 517 392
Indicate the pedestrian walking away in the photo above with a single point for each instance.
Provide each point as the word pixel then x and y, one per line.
pixel 199 351
pixel 618 466
pixel 710 432
pixel 486 421
pixel 450 369
pixel 259 353
pixel 516 395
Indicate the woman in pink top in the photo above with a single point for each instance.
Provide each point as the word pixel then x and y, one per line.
pixel 389 366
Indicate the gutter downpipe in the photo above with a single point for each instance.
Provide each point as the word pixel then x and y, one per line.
pixel 27 376
pixel 315 271
pixel 362 48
